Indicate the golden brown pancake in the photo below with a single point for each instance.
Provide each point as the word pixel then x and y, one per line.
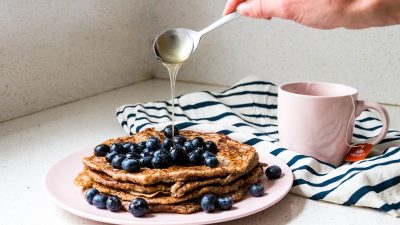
pixel 106 180
pixel 234 159
pixel 248 179
pixel 176 190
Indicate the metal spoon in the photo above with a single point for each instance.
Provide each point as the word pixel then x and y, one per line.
pixel 174 46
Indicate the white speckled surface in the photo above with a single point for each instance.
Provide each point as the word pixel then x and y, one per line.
pixel 282 51
pixel 30 145
pixel 52 52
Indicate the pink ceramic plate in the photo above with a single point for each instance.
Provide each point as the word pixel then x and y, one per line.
pixel 60 186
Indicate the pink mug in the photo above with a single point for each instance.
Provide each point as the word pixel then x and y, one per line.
pixel 317 119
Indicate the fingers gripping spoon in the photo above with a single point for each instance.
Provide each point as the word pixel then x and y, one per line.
pixel 174 46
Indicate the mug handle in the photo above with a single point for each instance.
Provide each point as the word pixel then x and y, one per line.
pixel 363 105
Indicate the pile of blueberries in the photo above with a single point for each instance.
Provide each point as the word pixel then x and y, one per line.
pixel 138 207
pixel 154 154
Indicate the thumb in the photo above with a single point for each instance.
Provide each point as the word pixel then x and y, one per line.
pixel 253 8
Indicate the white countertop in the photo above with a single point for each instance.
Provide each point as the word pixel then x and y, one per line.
pixel 30 145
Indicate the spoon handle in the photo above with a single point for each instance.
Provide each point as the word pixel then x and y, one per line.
pixel 219 22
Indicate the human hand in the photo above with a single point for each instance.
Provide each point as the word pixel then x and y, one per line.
pixel 322 14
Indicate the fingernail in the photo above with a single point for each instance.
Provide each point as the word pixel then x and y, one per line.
pixel 226 8
pixel 243 9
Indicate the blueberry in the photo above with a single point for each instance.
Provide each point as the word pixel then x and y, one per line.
pixel 167 144
pixel 101 150
pixel 138 207
pixel 161 161
pixel 110 156
pixel 211 147
pixel 198 142
pixel 162 151
pixel 273 172
pixel 257 190
pixel 168 131
pixel 178 156
pixel 154 138
pixel 113 204
pixel 211 162
pixel 179 140
pixel 90 194
pixel 208 203
pixel 153 144
pixel 99 201
pixel 179 145
pixel 130 165
pixel 146 152
pixel 132 155
pixel 189 147
pixel 200 152
pixel 119 148
pixel 194 158
pixel 135 148
pixel 117 161
pixel 225 202
pixel 207 154
pixel 145 161
pixel 127 146
pixel 142 145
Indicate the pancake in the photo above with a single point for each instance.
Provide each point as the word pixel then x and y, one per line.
pixel 246 180
pixel 234 158
pixel 188 207
pixel 176 190
pixel 85 180
pixel 106 180
pixel 181 188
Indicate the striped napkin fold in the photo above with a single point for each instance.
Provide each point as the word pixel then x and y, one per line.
pixel 250 107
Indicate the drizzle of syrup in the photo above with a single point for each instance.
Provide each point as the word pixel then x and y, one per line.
pixel 173 71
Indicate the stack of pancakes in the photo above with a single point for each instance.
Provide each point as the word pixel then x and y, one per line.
pixel 176 189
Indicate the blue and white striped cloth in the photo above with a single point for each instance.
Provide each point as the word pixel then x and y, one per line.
pixel 249 107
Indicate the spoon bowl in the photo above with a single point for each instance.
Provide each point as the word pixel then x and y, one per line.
pixel 175 46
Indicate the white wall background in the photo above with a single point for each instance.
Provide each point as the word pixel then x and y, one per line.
pixel 282 51
pixel 52 52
